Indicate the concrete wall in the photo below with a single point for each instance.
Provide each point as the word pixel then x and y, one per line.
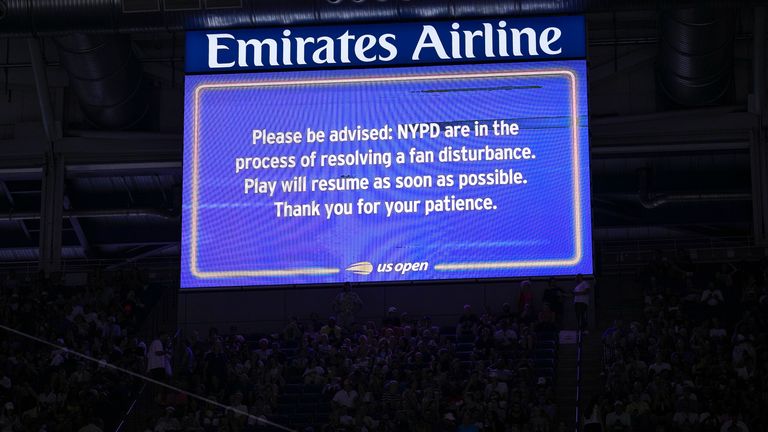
pixel 254 310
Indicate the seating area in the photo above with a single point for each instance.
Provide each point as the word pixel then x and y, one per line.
pixel 45 389
pixel 696 362
pixel 303 405
pixel 493 371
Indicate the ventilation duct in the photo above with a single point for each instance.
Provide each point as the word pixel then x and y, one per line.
pixel 696 54
pixel 45 17
pixel 652 200
pixel 106 78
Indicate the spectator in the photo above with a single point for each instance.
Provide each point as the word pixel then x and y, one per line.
pixel 506 313
pixel 346 305
pixel 581 293
pixel 468 425
pixel 553 296
pixel 215 369
pixel 698 372
pixel 659 366
pixel 264 351
pixel 158 358
pixel 593 419
pixel 505 336
pixel 9 421
pixel 407 376
pixel 713 299
pixel 467 321
pixel 293 331
pixel 638 409
pixel 391 398
pixel 53 390
pixel 547 319
pixel 497 387
pixel 332 330
pixel 187 363
pixel 168 422
pixel 525 299
pixel 618 420
pixel 314 373
pixel 346 397
pixel 733 423
pixel 95 425
pixel 392 319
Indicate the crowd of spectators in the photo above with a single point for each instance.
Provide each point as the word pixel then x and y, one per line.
pixel 394 374
pixel 697 361
pixel 49 389
pixel 491 371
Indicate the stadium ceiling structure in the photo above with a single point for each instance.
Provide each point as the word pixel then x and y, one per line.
pixel 91 114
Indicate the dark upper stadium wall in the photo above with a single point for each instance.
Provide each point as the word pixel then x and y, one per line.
pixel 269 310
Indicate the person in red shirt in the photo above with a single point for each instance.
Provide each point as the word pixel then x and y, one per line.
pixel 526 296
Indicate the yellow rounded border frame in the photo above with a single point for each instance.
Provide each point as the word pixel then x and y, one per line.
pixel 452 266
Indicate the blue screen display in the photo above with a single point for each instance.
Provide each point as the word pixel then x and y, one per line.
pixel 391 174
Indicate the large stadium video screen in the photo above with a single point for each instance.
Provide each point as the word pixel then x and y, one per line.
pixel 392 174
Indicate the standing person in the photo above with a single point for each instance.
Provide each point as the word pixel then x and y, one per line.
pixel 346 305
pixel 712 300
pixel 618 420
pixel 581 294
pixel 526 296
pixel 159 358
pixel 593 419
pixel 553 296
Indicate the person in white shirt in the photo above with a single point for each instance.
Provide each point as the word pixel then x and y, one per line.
pixel 618 420
pixel 95 425
pixel 734 425
pixel 158 360
pixel 346 397
pixel 581 294
pixel 505 336
pixel 712 296
pixel 496 386
pixel 168 422
pixel 314 373
pixel 660 365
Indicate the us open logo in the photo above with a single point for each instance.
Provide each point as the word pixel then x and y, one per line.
pixel 365 268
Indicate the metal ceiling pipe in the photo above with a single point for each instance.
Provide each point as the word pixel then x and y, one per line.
pixel 106 77
pixel 758 62
pixel 10 215
pixel 696 53
pixel 658 200
pixel 46 17
pixel 651 200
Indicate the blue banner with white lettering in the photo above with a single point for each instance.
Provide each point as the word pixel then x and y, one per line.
pixel 498 39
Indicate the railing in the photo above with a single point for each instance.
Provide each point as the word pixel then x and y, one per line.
pixel 675 243
pixel 161 317
pixel 89 265
pixel 631 254
pixel 579 337
pixel 125 420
